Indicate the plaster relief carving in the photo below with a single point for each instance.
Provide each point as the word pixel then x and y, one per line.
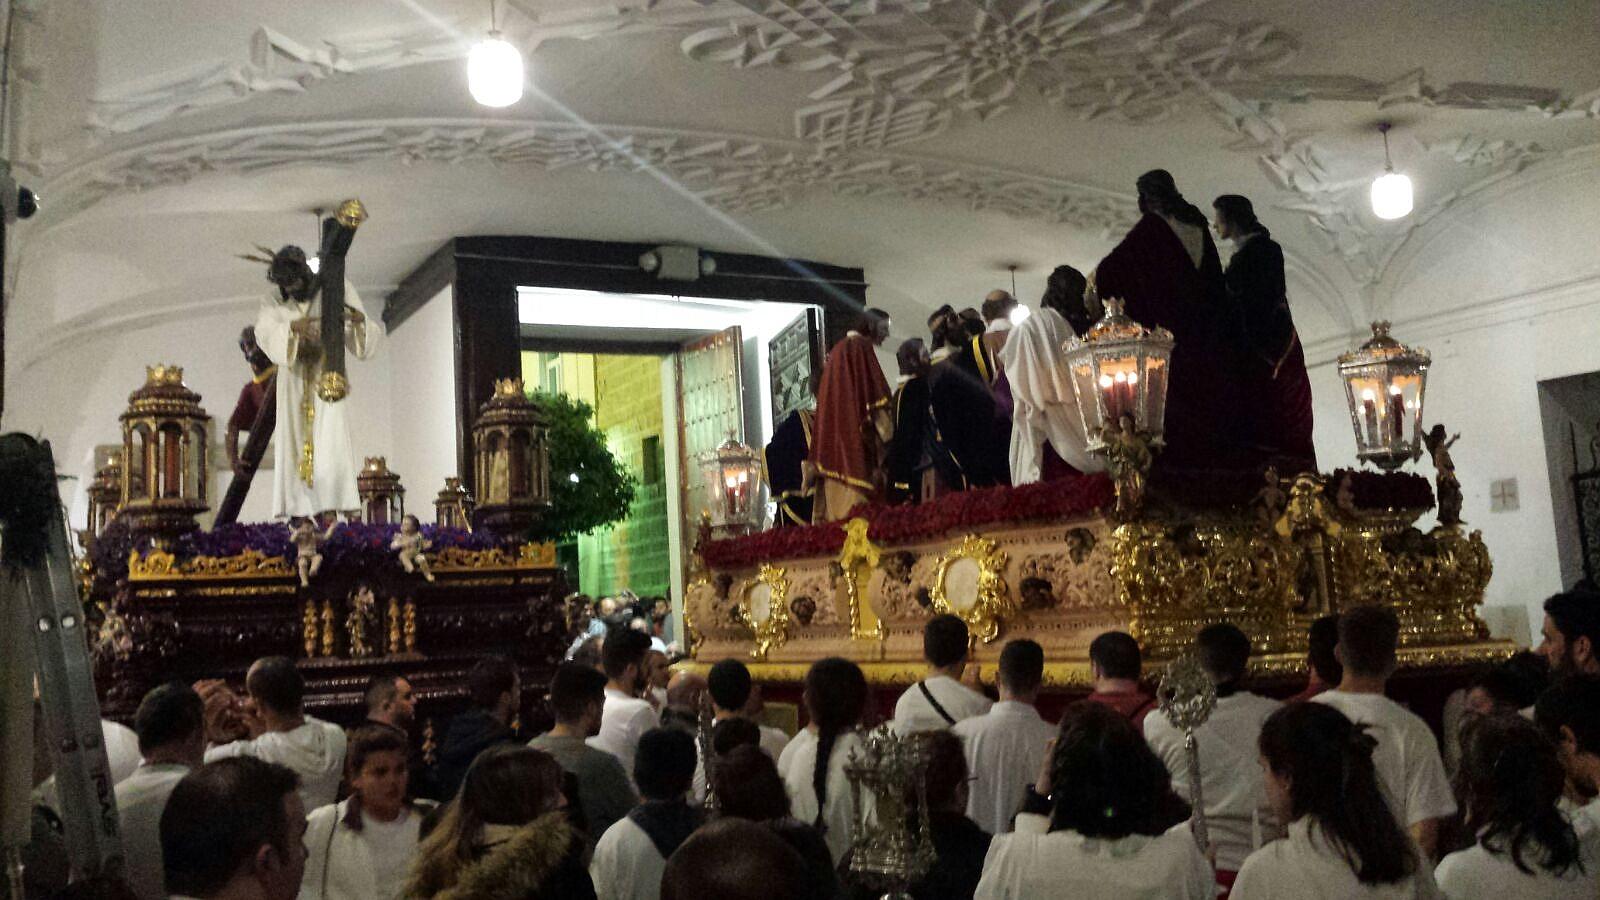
pixel 1130 60
pixel 734 174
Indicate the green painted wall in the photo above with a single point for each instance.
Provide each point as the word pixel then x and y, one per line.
pixel 625 392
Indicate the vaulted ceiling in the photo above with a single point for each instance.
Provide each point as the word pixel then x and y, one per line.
pixel 933 142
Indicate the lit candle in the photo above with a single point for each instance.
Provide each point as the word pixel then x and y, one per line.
pixel 1133 396
pixel 1369 416
pixel 1397 413
pixel 1108 398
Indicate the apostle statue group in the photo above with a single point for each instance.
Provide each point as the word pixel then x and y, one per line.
pixel 991 404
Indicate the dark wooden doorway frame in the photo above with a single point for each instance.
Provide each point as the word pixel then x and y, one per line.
pixel 485 272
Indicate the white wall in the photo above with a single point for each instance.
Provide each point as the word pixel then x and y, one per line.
pixel 422 402
pixel 1511 302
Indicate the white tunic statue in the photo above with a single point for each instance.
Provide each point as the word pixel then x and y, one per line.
pixel 314 463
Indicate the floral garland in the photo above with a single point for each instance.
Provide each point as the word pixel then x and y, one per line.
pixel 1385 490
pixel 965 510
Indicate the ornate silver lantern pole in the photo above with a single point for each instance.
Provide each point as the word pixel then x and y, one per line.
pixel 889 847
pixel 1385 382
pixel 1187 698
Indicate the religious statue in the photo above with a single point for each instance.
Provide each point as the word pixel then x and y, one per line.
pixel 305 325
pixel 1128 458
pixel 1447 485
pixel 308 553
pixel 1271 499
pixel 359 622
pixel 251 397
pixel 1168 273
pixel 410 543
pixel 853 422
pixel 1344 497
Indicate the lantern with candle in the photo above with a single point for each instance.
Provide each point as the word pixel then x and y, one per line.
pixel 1384 381
pixel 164 470
pixel 1119 372
pixel 732 475
pixel 383 500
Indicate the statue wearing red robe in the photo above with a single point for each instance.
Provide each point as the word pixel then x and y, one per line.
pixel 1168 274
pixel 852 425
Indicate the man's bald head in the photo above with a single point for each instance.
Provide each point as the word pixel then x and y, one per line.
pixel 998 304
pixel 734 859
pixel 685 690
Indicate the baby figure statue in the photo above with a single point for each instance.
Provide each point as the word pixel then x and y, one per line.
pixel 410 543
pixel 308 557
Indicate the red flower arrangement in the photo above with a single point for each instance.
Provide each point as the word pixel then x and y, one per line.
pixel 1385 490
pixel 962 511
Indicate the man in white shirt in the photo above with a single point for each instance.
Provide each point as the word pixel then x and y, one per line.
pixel 170 724
pixel 278 728
pixel 943 698
pixel 632 855
pixel 1407 757
pixel 1237 811
pixel 735 696
pixel 627 716
pixel 1006 746
pixel 235 829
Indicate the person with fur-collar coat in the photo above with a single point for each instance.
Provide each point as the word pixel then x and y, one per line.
pixel 505 836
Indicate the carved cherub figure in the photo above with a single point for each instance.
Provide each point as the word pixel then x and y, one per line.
pixel 308 554
pixel 1271 499
pixel 410 543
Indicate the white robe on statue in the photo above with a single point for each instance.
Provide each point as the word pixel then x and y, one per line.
pixel 334 465
pixel 1046 408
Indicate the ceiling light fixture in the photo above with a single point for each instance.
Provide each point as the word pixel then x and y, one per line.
pixel 1391 191
pixel 494 68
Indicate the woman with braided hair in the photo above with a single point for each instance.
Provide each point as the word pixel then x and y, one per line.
pixel 1344 841
pixel 813 764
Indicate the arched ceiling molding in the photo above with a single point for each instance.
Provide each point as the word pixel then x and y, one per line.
pixel 1335 215
pixel 732 173
pixel 1535 169
pixel 148 310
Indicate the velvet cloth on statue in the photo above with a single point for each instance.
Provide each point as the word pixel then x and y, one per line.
pixel 1161 285
pixel 783 460
pixel 1277 388
pixel 968 450
pixel 908 455
pixel 847 448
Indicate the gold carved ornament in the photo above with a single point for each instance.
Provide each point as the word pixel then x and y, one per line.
pixel 692 638
pixel 990 602
pixel 329 629
pixel 410 629
pixel 772 630
pixel 158 564
pixel 857 559
pixel 394 625
pixel 308 627
pixel 1175 583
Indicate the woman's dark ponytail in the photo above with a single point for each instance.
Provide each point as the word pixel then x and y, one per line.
pixel 1510 781
pixel 1306 742
pixel 836 697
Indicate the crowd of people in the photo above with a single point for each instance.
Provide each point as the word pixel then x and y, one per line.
pixel 986 400
pixel 1338 791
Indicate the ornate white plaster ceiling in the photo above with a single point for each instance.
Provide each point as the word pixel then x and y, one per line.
pixel 759 124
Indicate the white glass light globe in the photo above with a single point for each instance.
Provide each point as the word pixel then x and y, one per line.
pixel 1019 314
pixel 1391 196
pixel 494 72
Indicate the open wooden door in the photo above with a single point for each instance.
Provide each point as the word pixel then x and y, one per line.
pixel 710 408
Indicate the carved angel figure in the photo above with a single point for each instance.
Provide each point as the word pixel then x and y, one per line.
pixel 410 543
pixel 308 554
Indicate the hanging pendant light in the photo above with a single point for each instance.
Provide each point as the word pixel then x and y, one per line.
pixel 1391 191
pixel 494 68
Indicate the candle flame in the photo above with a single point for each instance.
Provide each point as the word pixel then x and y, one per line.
pixel 1105 381
pixel 1367 394
pixel 1394 389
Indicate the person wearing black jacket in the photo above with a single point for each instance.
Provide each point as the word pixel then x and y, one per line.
pixel 495 691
